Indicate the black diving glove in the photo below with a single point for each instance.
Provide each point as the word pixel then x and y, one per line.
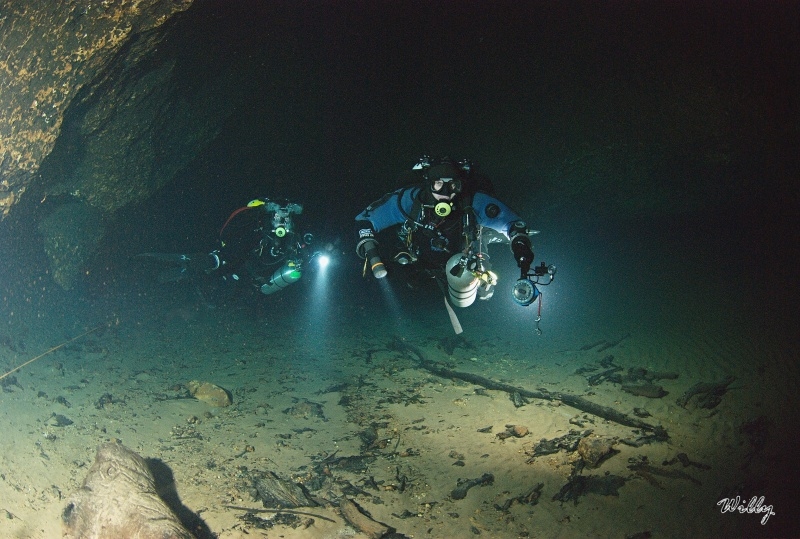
pixel 521 247
pixel 523 254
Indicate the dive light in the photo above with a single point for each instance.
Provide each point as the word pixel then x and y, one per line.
pixel 368 249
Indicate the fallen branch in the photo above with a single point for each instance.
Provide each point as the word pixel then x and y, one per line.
pixel 573 401
pixel 362 522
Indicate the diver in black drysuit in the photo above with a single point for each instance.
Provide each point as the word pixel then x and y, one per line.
pixel 269 256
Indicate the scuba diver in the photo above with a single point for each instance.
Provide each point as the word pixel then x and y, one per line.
pixel 270 254
pixel 439 229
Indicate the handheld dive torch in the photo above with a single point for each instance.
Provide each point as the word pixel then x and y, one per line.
pixel 368 249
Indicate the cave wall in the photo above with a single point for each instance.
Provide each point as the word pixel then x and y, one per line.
pixel 59 57
pixel 134 127
pixel 49 50
pixel 125 136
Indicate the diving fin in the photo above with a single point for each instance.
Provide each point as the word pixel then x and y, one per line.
pixel 173 275
pixel 180 269
pixel 166 257
pixel 184 266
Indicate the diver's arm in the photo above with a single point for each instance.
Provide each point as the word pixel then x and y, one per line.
pixel 494 214
pixel 391 209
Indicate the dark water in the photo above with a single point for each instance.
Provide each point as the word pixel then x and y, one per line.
pixel 565 107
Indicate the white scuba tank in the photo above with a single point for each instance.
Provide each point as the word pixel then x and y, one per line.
pixel 463 288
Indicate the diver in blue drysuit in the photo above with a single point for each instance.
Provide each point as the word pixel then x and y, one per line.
pixel 438 228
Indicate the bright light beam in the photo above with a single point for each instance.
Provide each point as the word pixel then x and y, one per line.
pixel 390 300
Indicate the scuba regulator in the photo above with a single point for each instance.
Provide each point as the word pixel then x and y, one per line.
pixel 443 209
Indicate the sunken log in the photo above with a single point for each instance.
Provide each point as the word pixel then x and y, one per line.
pixel 573 401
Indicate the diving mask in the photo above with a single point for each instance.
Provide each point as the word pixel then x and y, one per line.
pixel 446 186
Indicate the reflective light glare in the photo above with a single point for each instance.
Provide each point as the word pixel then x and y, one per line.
pixel 323 261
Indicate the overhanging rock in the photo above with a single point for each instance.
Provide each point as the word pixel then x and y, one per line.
pixel 49 50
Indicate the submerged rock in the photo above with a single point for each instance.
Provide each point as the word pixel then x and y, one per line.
pixel 305 409
pixel 118 499
pixel 209 393
pixel 595 449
